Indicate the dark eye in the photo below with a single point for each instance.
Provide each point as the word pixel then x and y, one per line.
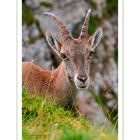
pixel 91 54
pixel 63 56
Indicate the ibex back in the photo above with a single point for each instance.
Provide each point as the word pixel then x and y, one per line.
pixel 73 72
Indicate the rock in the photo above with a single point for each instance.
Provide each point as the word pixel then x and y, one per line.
pixel 90 109
pixel 36 52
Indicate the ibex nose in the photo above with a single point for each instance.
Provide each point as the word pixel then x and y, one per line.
pixel 82 78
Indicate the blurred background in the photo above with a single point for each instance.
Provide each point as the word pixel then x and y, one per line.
pixel 104 66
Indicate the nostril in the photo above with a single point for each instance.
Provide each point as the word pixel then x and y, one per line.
pixel 83 79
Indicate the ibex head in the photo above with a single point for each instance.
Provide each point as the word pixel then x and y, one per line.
pixel 75 53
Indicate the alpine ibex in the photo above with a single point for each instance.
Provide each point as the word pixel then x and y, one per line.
pixel 73 72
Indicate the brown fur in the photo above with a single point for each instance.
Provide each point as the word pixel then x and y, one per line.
pixel 53 83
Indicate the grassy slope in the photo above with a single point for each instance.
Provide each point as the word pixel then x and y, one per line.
pixel 46 121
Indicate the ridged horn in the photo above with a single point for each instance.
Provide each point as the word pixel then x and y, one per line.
pixel 84 30
pixel 62 29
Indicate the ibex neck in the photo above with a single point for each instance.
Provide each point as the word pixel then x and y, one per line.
pixel 61 78
pixel 63 86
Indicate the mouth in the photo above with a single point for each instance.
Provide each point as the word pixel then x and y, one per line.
pixel 82 87
pixel 80 84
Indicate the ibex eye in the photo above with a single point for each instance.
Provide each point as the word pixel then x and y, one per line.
pixel 63 56
pixel 91 53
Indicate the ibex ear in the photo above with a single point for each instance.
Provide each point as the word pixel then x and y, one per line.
pixel 95 38
pixel 53 42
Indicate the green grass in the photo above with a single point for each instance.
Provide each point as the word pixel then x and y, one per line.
pixel 92 24
pixel 46 4
pixel 43 120
pixel 111 8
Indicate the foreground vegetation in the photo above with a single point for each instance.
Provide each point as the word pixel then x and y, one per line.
pixel 43 120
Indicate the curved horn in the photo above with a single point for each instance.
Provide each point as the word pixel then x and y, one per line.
pixel 84 31
pixel 62 29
